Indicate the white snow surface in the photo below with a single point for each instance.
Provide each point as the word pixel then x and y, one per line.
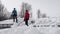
pixel 23 29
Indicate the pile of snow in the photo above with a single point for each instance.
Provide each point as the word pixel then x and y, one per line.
pixel 46 21
pixel 7 22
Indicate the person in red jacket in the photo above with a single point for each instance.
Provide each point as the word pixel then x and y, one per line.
pixel 26 17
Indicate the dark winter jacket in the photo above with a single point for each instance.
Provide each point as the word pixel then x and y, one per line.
pixel 14 12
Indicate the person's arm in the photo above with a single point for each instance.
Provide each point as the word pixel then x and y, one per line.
pixel 16 12
pixel 28 16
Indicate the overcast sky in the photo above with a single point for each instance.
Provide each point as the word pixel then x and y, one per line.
pixel 50 7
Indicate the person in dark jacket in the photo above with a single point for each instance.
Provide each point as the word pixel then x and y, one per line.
pixel 14 14
pixel 26 17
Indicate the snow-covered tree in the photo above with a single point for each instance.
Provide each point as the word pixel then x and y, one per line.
pixel 4 14
pixel 43 15
pixel 1 9
pixel 25 6
pixel 38 14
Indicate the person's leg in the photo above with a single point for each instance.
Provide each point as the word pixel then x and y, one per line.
pixel 16 19
pixel 27 22
pixel 13 19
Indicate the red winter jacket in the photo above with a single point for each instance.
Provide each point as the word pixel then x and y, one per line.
pixel 26 15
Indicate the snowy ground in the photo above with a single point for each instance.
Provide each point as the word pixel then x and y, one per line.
pixel 41 26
